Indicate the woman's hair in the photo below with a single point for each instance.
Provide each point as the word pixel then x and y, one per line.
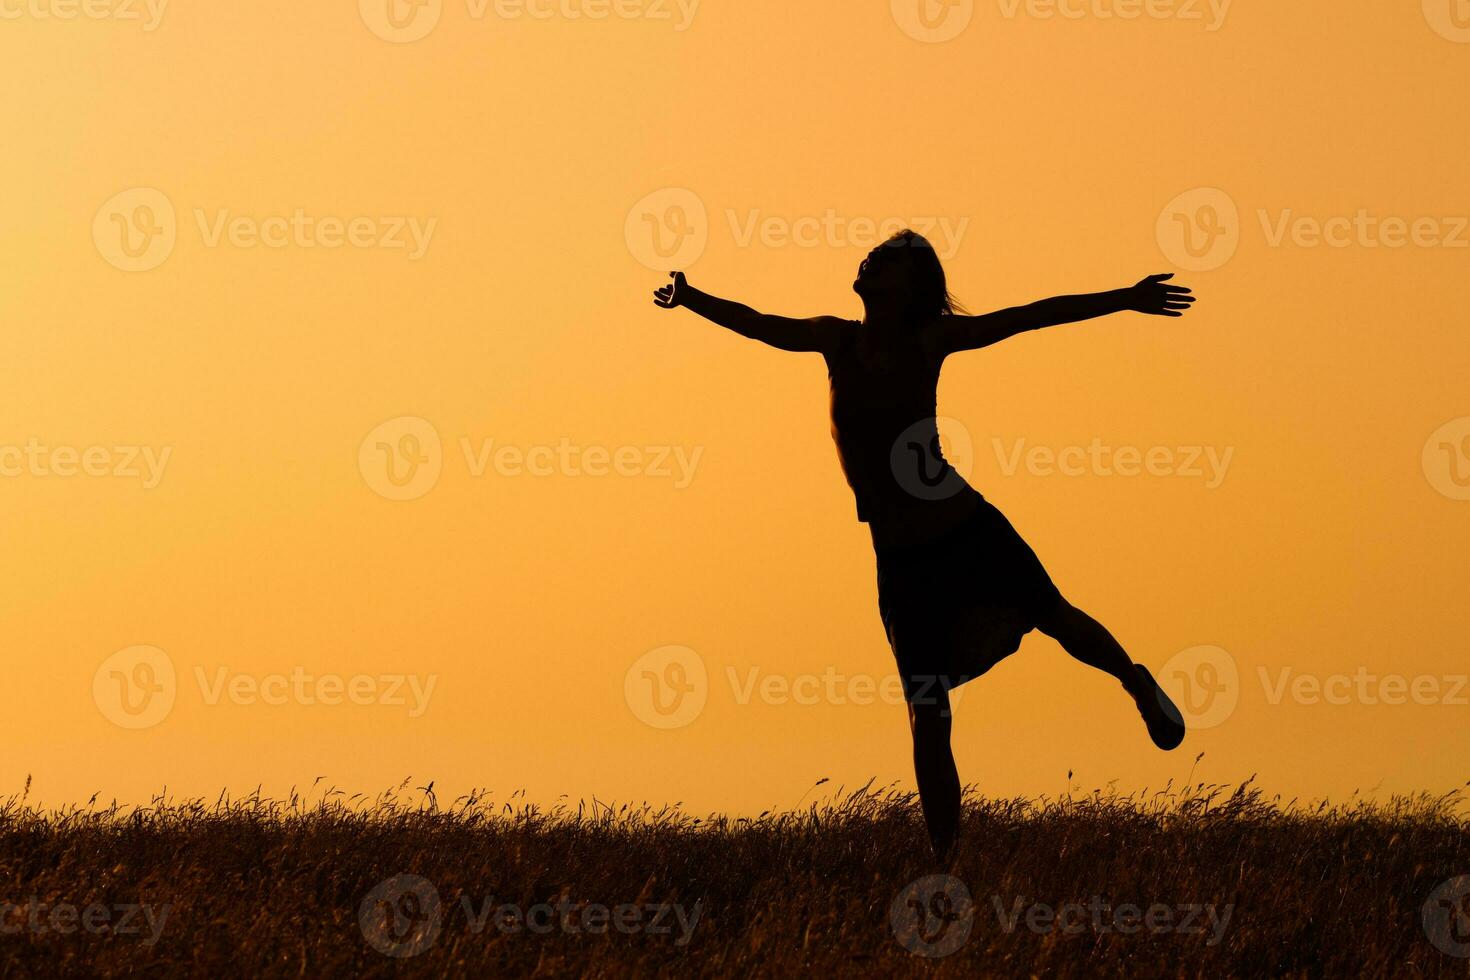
pixel 931 296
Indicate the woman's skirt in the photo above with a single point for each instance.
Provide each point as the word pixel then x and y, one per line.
pixel 957 606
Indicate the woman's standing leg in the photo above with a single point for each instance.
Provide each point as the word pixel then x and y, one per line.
pixel 911 614
pixel 930 721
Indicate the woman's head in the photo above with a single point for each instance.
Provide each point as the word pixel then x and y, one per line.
pixel 904 275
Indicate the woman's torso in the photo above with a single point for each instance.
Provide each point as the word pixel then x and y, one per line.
pixel 884 384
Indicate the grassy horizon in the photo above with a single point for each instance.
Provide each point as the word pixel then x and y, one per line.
pixel 1224 880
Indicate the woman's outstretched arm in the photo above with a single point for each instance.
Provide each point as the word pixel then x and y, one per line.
pixel 817 333
pixel 1152 295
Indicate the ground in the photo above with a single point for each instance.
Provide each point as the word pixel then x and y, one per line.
pixel 1200 881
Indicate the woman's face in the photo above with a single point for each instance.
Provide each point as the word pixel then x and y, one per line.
pixel 888 270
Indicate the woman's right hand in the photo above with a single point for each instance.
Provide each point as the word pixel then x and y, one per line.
pixel 673 294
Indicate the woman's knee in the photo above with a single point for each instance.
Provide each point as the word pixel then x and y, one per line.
pixel 930 717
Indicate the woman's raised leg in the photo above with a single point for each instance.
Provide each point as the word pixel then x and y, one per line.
pixel 1089 641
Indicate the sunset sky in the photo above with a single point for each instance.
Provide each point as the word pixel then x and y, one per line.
pixel 330 378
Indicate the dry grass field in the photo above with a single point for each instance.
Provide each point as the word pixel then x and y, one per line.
pixel 1203 881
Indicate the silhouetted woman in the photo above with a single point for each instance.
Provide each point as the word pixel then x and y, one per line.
pixel 957 586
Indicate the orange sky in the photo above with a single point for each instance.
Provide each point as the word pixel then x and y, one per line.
pixel 334 227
